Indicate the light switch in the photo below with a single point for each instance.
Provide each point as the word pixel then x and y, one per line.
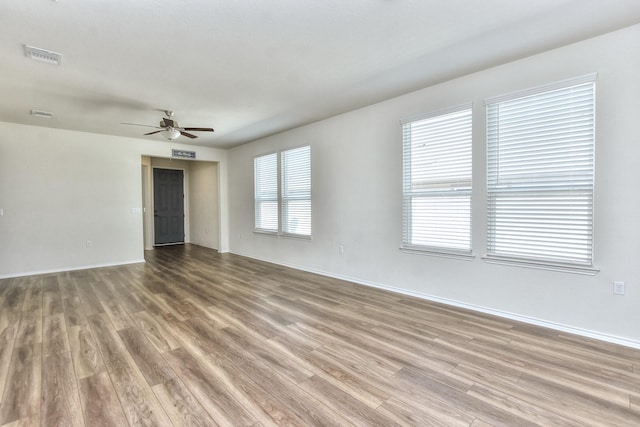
pixel 135 211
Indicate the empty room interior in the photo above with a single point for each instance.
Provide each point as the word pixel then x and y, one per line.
pixel 368 213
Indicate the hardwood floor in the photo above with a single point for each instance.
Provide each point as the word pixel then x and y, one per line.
pixel 196 338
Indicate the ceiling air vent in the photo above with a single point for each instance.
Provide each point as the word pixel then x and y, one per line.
pixel 42 55
pixel 44 114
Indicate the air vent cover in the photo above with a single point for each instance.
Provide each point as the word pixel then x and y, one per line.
pixel 44 114
pixel 42 55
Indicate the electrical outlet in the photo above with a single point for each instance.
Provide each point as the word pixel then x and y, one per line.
pixel 89 243
pixel 618 288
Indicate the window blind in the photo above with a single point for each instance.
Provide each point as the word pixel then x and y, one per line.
pixel 296 191
pixel 540 174
pixel 266 192
pixel 437 181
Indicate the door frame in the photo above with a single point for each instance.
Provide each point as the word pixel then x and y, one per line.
pixel 185 187
pixel 150 161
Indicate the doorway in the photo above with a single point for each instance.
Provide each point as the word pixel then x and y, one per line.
pixel 168 206
pixel 201 182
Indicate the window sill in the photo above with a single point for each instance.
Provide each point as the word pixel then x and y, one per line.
pixel 541 265
pixel 266 232
pixel 295 236
pixel 465 256
pixel 285 235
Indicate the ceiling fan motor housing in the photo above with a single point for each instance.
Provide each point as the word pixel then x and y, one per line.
pixel 169 123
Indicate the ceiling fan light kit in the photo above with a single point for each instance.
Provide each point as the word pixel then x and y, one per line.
pixel 170 129
pixel 171 134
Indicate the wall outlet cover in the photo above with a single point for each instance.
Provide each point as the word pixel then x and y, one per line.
pixel 618 288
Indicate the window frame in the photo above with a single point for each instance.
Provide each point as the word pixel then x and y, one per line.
pixel 285 199
pixel 259 199
pixel 438 188
pixel 527 188
pixel 282 199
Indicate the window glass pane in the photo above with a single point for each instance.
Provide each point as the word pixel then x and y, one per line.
pixel 298 217
pixel 440 221
pixel 267 215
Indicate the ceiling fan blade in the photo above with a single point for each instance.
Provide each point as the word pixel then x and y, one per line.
pixel 188 135
pixel 151 133
pixel 137 124
pixel 199 129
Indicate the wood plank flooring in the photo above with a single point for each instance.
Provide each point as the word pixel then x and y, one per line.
pixel 196 338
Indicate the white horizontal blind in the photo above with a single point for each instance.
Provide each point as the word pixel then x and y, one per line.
pixel 541 175
pixel 266 192
pixel 437 182
pixel 296 191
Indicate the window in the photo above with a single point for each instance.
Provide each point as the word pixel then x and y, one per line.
pixel 283 192
pixel 266 192
pixel 540 174
pixel 296 191
pixel 437 182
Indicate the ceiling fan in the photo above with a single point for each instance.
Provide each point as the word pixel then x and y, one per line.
pixel 170 128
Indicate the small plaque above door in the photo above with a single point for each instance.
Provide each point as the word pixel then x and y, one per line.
pixel 184 154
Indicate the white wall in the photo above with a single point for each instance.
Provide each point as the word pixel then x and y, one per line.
pixel 203 204
pixel 356 179
pixel 60 189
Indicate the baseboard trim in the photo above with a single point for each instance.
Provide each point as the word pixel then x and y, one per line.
pixel 499 313
pixel 204 246
pixel 60 270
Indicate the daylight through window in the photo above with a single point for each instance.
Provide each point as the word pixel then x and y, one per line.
pixel 540 174
pixel 283 192
pixel 437 181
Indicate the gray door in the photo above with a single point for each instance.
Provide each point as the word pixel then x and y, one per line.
pixel 168 206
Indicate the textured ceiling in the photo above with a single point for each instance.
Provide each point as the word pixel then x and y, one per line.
pixel 251 68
